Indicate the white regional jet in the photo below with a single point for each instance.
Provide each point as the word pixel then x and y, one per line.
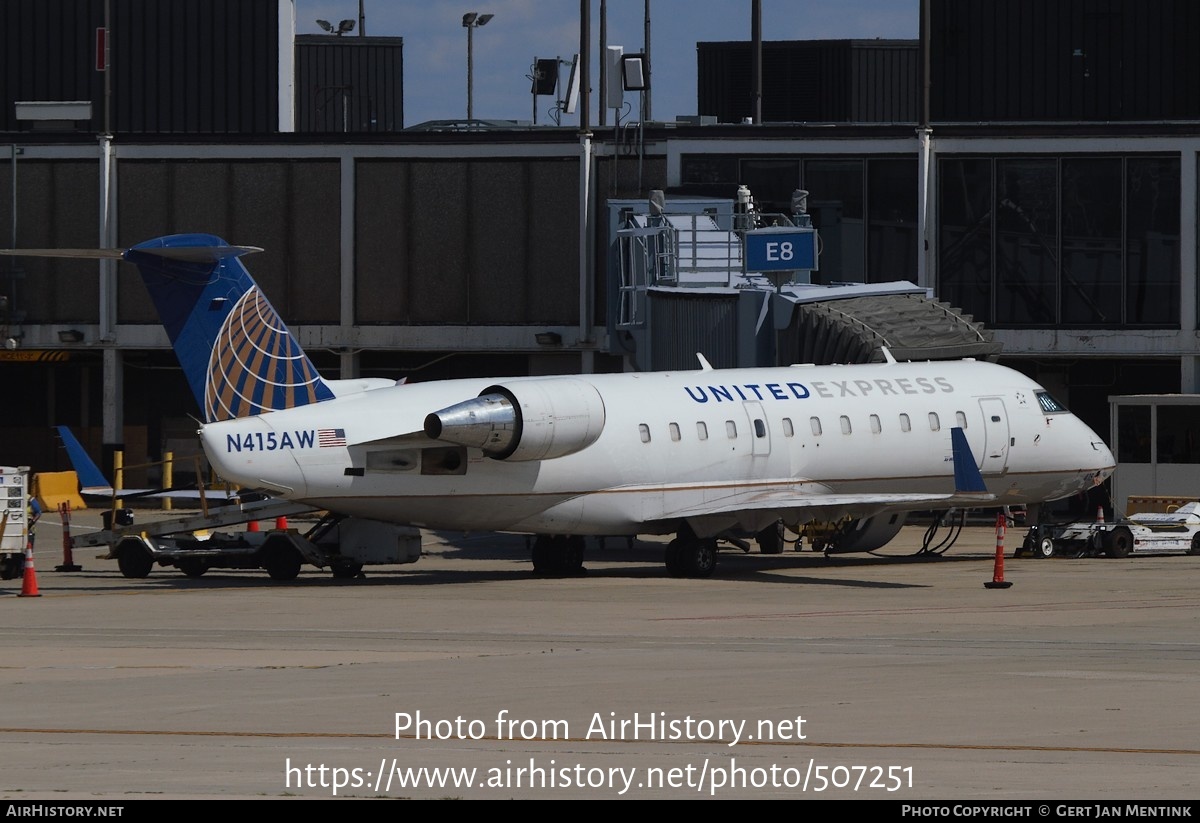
pixel 699 454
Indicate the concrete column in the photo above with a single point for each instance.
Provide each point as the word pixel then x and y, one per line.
pixel 114 397
pixel 586 232
pixel 926 178
pixel 348 361
pixel 1189 298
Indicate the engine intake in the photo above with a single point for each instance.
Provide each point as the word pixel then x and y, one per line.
pixel 524 420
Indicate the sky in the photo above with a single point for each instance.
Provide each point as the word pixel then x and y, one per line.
pixel 435 44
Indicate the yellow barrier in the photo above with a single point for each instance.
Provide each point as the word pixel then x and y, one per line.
pixel 1160 504
pixel 53 488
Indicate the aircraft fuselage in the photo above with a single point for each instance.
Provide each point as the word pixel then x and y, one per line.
pixel 629 453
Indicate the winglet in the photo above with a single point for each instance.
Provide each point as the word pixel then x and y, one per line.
pixel 90 476
pixel 966 473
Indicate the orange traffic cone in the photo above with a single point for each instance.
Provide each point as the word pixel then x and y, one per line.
pixel 68 564
pixel 997 581
pixel 281 523
pixel 29 583
pixel 1100 515
pixel 252 526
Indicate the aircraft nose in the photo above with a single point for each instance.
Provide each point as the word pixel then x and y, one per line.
pixel 1102 459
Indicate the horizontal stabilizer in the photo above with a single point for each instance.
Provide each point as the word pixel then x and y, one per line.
pixel 86 254
pixel 188 254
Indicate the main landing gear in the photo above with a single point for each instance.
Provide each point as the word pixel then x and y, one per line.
pixel 691 556
pixel 558 554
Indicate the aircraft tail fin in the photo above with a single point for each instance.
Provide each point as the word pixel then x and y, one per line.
pixel 90 476
pixel 238 355
pixel 967 478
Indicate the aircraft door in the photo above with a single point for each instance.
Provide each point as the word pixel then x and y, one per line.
pixel 994 457
pixel 760 432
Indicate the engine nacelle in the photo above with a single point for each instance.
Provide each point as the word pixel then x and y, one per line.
pixel 868 534
pixel 524 420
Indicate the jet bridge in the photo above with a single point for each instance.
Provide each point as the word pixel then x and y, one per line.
pixel 678 285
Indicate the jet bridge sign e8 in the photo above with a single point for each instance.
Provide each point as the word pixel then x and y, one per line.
pixel 781 249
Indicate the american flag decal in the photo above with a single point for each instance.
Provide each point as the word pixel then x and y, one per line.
pixel 331 438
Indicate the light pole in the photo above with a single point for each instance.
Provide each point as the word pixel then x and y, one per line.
pixel 471 21
pixel 342 27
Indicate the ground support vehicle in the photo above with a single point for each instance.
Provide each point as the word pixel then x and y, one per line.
pixel 342 544
pixel 1175 532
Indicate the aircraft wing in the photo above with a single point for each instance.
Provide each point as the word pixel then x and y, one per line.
pixel 211 495
pixel 816 503
pixel 825 506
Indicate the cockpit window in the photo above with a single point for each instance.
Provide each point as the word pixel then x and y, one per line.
pixel 1049 404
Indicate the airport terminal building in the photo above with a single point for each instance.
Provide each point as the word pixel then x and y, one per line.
pixel 1049 197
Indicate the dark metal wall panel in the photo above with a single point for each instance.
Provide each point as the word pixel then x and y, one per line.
pixel 287 207
pixel 48 53
pixel 1069 60
pixel 499 240
pixel 467 241
pixel 886 83
pixel 681 325
pixel 349 83
pixel 183 66
pixel 812 81
pixel 553 223
pixel 196 66
pixel 57 207
pixel 382 240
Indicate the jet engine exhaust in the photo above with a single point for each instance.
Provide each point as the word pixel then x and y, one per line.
pixel 524 419
pixel 489 422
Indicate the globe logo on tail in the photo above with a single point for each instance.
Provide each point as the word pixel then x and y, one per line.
pixel 256 366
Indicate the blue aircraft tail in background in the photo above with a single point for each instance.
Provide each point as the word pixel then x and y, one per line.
pixel 90 476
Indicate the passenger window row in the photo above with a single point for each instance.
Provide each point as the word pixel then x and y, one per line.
pixel 759 426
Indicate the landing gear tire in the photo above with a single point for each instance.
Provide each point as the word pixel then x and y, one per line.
pixel 571 557
pixel 702 558
pixel 13 566
pixel 1044 548
pixel 770 539
pixel 1026 549
pixel 134 559
pixel 541 554
pixel 193 568
pixel 280 559
pixel 346 571
pixel 674 557
pixel 558 554
pixel 1120 542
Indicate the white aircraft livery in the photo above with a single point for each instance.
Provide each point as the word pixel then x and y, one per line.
pixel 699 454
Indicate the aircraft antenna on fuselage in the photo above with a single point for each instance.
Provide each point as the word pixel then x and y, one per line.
pixel 704 364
